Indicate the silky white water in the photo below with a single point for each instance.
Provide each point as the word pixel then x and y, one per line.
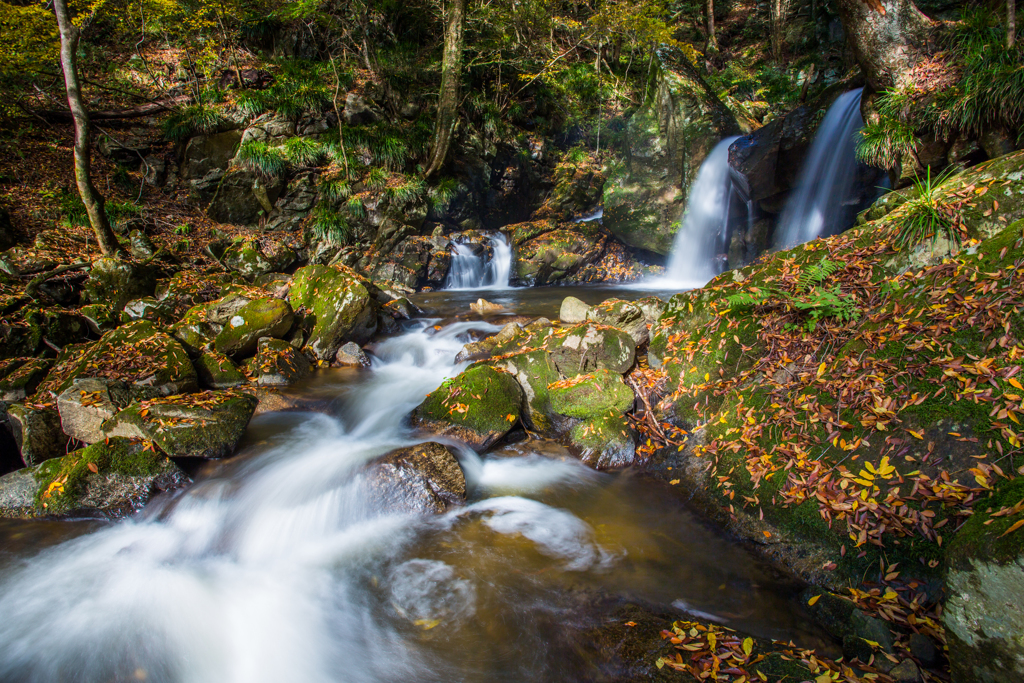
pixel 280 565
pixel 820 204
pixel 699 246
pixel 471 271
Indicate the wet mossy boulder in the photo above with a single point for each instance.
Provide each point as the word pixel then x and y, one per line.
pixel 37 433
pixel 425 478
pixel 588 346
pixel 151 362
pixel 477 407
pixel 604 441
pixel 984 568
pixel 248 259
pixel 622 315
pixel 87 404
pixel 535 371
pixel 19 377
pixel 590 395
pixel 112 480
pixel 278 363
pixel 202 425
pixel 337 304
pixel 256 319
pixel 114 282
pixel 217 371
pixel 100 318
pixel 555 256
pixel 147 308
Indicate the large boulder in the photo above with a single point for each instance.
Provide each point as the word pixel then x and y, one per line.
pixel 115 282
pixel 37 433
pixel 19 377
pixel 256 319
pixel 535 371
pixel 113 479
pixel 216 371
pixel 241 197
pixel 622 315
pixel 663 147
pixel 87 404
pixel 985 581
pixel 585 347
pixel 338 304
pixel 278 363
pixel 477 407
pixel 423 478
pixel 573 310
pixel 590 395
pixel 248 259
pixel 151 362
pixel 606 441
pixel 203 425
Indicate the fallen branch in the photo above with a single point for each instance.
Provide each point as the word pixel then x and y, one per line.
pixel 62 116
pixel 38 280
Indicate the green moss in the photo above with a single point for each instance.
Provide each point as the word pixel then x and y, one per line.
pixel 481 400
pixel 982 534
pixel 590 395
pixel 340 306
pixel 259 318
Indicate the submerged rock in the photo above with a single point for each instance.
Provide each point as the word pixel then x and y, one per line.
pixel 478 407
pixel 425 478
pixel 485 307
pixel 351 355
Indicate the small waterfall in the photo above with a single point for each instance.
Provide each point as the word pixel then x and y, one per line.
pixel 472 271
pixel 823 199
pixel 701 240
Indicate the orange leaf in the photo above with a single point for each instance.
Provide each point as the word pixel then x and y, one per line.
pixel 1013 527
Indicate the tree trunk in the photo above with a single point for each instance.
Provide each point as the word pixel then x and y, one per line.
pixel 710 11
pixel 888 38
pixel 92 199
pixel 448 99
pixel 1011 23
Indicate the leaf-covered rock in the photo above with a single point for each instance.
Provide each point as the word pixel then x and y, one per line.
pixel 87 404
pixel 37 432
pixel 338 305
pixel 588 346
pixel 590 395
pixel 478 407
pixel 217 371
pixel 19 377
pixel 278 363
pixel 114 282
pixel 256 319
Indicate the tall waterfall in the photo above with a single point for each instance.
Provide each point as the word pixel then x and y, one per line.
pixel 701 240
pixel 824 196
pixel 472 271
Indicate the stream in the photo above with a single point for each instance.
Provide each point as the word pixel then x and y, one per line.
pixel 277 565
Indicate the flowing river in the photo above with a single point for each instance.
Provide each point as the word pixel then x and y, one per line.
pixel 279 565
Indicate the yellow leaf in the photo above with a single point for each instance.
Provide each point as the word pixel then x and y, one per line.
pixel 1015 383
pixel 823 678
pixel 821 370
pixel 748 646
pixel 427 624
pixel 1013 527
pixel 814 600
pixel 916 435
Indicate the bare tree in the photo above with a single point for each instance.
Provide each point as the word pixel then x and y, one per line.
pixel 93 200
pixel 777 11
pixel 710 11
pixel 451 76
pixel 1011 23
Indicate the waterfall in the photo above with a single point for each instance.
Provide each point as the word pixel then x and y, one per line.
pixel 472 271
pixel 824 197
pixel 701 240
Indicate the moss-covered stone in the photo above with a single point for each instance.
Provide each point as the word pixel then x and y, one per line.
pixel 114 282
pixel 37 433
pixel 555 256
pixel 278 363
pixel 622 315
pixel 604 440
pixel 114 479
pixel 100 318
pixel 590 395
pixel 87 404
pixel 338 306
pixel 204 425
pixel 256 319
pixel 217 371
pixel 249 259
pixel 19 377
pixel 478 407
pixel 147 308
pixel 534 371
pixel 585 347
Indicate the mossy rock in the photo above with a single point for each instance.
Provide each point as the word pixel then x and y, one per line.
pixel 278 363
pixel 113 479
pixel 591 395
pixel 589 346
pixel 425 478
pixel 604 441
pixel 249 260
pixel 153 363
pixel 100 318
pixel 477 407
pixel 622 315
pixel 20 377
pixel 87 404
pixel 37 433
pixel 204 425
pixel 217 371
pixel 256 319
pixel 114 282
pixel 534 370
pixel 554 256
pixel 147 308
pixel 337 304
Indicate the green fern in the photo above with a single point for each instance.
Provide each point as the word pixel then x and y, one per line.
pixel 817 273
pixel 826 303
pixel 750 298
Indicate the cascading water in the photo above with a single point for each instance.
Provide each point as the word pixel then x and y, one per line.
pixel 701 240
pixel 824 200
pixel 472 271
pixel 283 565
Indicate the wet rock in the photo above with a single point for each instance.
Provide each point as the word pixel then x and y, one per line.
pixel 204 425
pixel 140 246
pixel 216 371
pixel 250 261
pixel 984 571
pixel 589 346
pixel 358 111
pixel 573 311
pixel 256 319
pixel 337 303
pixel 555 256
pixel 604 441
pixel 19 377
pixel 905 672
pixel 37 433
pixel 151 362
pixel 147 308
pixel 114 282
pixel 113 480
pixel 351 355
pixel 590 395
pixel 622 315
pixel 87 404
pixel 478 350
pixel 483 307
pixel 100 318
pixel 477 407
pixel 535 371
pixel 425 478
pixel 278 363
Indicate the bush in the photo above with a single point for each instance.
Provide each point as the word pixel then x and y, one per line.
pixel 261 158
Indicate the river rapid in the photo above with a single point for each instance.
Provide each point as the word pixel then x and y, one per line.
pixel 279 565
